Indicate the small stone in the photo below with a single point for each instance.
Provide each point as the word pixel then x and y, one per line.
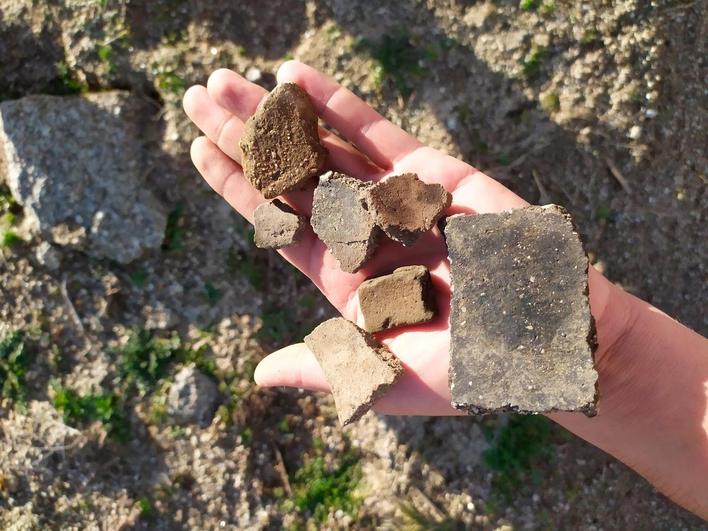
pixel 358 368
pixel 85 191
pixel 523 336
pixel 277 225
pixel 405 297
pixel 192 398
pixel 405 207
pixel 635 132
pixel 253 74
pixel 47 256
pixel 342 219
pixel 281 144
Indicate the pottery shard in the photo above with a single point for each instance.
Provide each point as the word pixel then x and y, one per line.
pixel 277 225
pixel 523 336
pixel 358 368
pixel 342 219
pixel 405 297
pixel 280 143
pixel 405 207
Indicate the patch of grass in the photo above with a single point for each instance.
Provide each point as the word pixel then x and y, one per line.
pixel 319 489
pixel 397 58
pixel 516 451
pixel 531 65
pixel 138 279
pixel 550 102
pixel 528 5
pixel 13 367
pixel 603 212
pixel 168 80
pixel 547 7
pixel 7 202
pixel 280 325
pixel 144 359
pixel 147 509
pixel 416 520
pixel 246 436
pixel 175 230
pixel 79 410
pixel 504 159
pixel 8 237
pixel 67 79
pixel 211 293
pixel 590 37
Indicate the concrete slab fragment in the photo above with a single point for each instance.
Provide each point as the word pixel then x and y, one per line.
pixel 523 336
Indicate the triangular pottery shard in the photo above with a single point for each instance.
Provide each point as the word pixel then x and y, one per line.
pixel 358 368
pixel 280 143
pixel 523 337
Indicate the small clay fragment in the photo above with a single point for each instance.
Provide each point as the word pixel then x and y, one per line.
pixel 342 219
pixel 405 207
pixel 358 368
pixel 405 297
pixel 281 144
pixel 523 336
pixel 277 225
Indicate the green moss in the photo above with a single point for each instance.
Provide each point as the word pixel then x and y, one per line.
pixel 144 359
pixel 79 410
pixel 175 230
pixel 13 367
pixel 550 102
pixel 68 79
pixel 319 489
pixel 516 451
pixel 168 80
pixel 531 65
pixel 398 60
pixel 590 37
pixel 528 5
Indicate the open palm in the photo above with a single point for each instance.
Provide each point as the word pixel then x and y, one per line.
pixel 369 148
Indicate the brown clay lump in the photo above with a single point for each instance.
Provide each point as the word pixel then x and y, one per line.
pixel 522 333
pixel 280 143
pixel 341 218
pixel 405 207
pixel 405 297
pixel 358 368
pixel 277 225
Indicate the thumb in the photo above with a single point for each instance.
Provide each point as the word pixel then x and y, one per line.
pixel 292 366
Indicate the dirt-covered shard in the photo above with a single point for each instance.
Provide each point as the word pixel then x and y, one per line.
pixel 358 368
pixel 276 225
pixel 341 218
pixel 405 297
pixel 523 336
pixel 406 208
pixel 281 144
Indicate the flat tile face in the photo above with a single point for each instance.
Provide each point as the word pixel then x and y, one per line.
pixel 280 143
pixel 405 297
pixel 276 225
pixel 406 208
pixel 358 368
pixel 522 334
pixel 342 219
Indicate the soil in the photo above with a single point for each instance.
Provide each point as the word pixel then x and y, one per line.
pixel 597 107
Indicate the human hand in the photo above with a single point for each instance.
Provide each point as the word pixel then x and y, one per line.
pixel 369 148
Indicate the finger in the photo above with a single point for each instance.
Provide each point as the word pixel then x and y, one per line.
pixel 376 137
pixel 220 126
pixel 293 366
pixel 234 94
